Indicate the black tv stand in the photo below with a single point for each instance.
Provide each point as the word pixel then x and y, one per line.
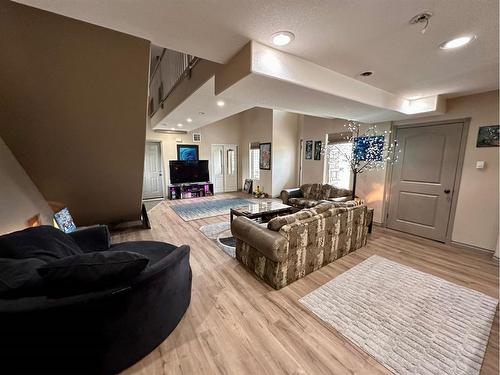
pixel 190 190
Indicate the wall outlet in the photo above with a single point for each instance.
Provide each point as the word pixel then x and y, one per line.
pixel 480 164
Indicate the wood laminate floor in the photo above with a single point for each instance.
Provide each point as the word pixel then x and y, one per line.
pixel 236 324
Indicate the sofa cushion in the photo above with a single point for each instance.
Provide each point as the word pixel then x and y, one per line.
pixel 347 204
pixel 326 191
pixel 302 202
pixel 45 242
pixel 304 214
pixel 19 275
pixel 306 190
pixel 153 250
pixel 315 192
pixel 321 207
pixel 277 222
pixel 89 270
pixel 337 192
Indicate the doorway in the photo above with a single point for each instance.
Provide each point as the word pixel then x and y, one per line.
pixel 424 182
pixel 152 187
pixel 224 167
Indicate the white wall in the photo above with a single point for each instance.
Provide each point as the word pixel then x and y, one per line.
pixel 19 197
pixel 254 125
pixel 476 217
pixel 284 151
pixel 257 126
pixel 370 184
pixel 227 131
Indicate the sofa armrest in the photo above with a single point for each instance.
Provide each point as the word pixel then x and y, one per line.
pixel 94 238
pixel 270 243
pixel 286 194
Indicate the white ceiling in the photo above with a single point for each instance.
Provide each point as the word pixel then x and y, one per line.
pixel 201 107
pixel 278 80
pixel 348 36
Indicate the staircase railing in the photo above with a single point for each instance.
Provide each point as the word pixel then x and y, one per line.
pixel 169 70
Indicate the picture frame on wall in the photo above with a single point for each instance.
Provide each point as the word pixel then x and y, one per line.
pixel 488 136
pixel 317 150
pixel 309 150
pixel 187 152
pixel 265 156
pixel 248 186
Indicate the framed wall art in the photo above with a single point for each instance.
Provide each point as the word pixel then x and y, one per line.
pixel 187 152
pixel 317 150
pixel 488 136
pixel 309 150
pixel 265 156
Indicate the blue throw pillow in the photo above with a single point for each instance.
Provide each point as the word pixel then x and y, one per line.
pixel 65 221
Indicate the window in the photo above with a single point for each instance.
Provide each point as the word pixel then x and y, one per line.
pixel 231 162
pixel 254 161
pixel 338 155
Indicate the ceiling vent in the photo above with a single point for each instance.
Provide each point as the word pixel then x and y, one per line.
pixel 168 131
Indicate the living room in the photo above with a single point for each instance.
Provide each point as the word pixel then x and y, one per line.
pixel 204 193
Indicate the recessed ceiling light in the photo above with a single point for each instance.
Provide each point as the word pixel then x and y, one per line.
pixel 457 42
pixel 282 38
pixel 189 119
pixel 179 125
pixel 221 103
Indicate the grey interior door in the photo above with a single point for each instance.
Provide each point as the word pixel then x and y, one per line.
pixel 422 183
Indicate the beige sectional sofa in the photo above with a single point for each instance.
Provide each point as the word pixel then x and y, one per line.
pixel 310 195
pixel 290 247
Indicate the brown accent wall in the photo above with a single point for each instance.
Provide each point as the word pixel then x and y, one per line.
pixel 73 102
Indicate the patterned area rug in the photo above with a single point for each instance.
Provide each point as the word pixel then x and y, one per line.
pixel 221 234
pixel 409 321
pixel 193 211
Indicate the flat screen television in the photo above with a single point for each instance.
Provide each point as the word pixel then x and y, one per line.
pixel 184 171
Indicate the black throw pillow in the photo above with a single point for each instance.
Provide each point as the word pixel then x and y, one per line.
pixel 45 242
pixel 19 277
pixel 90 270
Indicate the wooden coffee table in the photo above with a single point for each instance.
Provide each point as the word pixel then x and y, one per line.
pixel 264 211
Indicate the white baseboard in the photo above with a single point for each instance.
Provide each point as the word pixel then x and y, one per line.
pixel 471 247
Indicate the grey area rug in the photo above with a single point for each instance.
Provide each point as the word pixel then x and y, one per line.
pixel 409 321
pixel 200 210
pixel 220 233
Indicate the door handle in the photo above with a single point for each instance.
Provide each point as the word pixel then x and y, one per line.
pixel 447 191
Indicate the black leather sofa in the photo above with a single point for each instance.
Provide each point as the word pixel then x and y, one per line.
pixel 98 331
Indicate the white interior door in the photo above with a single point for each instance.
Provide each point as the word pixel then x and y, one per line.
pixel 231 168
pixel 217 163
pixel 153 172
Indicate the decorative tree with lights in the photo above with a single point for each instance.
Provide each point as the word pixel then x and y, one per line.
pixel 371 149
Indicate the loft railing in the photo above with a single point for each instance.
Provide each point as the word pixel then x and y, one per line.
pixel 169 70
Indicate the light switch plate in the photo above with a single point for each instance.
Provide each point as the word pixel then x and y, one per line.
pixel 480 164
